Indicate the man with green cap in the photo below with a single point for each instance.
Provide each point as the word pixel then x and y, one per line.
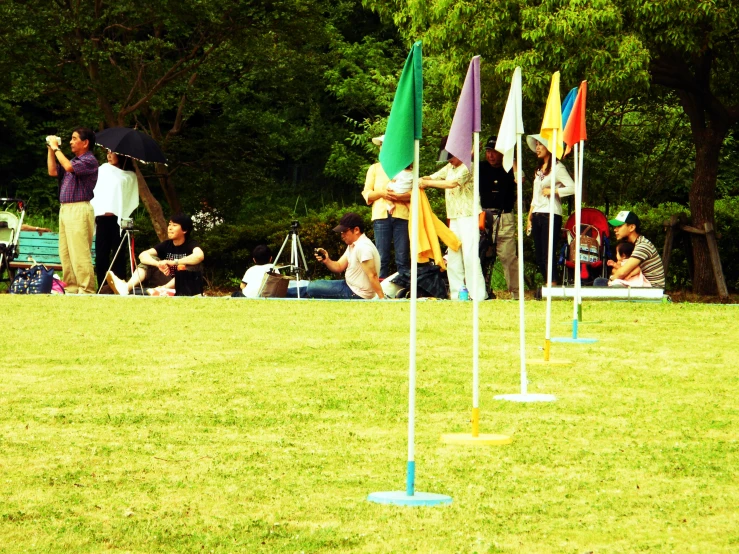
pixel 627 227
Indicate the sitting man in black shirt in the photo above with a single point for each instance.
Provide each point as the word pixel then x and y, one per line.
pixel 179 258
pixel 497 197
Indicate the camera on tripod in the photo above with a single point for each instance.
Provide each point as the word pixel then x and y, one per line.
pixel 126 223
pixel 295 225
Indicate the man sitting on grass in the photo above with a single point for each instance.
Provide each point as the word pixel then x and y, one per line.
pixel 252 280
pixel 179 258
pixel 361 262
pixel 645 257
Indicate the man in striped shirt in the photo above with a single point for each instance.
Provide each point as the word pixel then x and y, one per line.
pixel 77 180
pixel 645 256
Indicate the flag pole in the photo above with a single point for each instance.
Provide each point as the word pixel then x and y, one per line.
pixel 515 97
pixel 521 318
pixel 550 261
pixel 580 169
pixel 477 295
pixel 577 260
pixel 411 466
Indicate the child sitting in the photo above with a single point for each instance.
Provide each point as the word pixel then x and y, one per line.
pixel 252 280
pixel 636 277
pixel 400 184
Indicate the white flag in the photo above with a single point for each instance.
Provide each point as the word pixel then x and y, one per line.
pixel 512 124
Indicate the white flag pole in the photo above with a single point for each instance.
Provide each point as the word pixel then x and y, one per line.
pixel 477 294
pixel 521 318
pixel 550 261
pixel 411 469
pixel 580 173
pixel 578 284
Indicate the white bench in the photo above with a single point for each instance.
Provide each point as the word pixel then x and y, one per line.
pixel 606 293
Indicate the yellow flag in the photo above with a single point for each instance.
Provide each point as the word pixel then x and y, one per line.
pixel 553 117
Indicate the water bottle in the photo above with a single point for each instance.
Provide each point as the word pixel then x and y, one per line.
pixel 464 294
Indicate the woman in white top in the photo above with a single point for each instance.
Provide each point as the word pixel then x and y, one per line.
pixel 538 222
pixel 116 196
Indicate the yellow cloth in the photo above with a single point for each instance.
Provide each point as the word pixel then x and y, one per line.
pixel 553 117
pixel 376 180
pixel 430 230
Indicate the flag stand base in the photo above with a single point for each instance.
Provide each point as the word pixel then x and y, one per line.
pixel 483 439
pixel 573 340
pixel 548 362
pixel 527 397
pixel 402 498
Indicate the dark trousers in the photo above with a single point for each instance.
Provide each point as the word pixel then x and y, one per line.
pixel 388 232
pixel 540 234
pixel 107 238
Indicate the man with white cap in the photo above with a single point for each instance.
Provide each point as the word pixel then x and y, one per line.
pixel 627 227
pixel 389 218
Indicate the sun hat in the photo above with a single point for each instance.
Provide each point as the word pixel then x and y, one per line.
pixel 377 141
pixel 626 217
pixel 349 220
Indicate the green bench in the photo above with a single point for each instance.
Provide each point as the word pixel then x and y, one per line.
pixel 44 249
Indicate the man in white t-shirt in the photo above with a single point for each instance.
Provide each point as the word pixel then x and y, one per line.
pixel 360 264
pixel 252 280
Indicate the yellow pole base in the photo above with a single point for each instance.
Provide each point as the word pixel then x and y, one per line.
pixel 547 348
pixel 475 422
pixel 484 439
pixel 549 362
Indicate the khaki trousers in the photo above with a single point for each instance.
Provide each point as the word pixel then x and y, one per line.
pixel 506 250
pixel 76 228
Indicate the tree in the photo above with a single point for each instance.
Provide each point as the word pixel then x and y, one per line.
pixel 153 65
pixel 624 48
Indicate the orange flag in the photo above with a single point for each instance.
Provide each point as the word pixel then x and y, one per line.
pixel 575 131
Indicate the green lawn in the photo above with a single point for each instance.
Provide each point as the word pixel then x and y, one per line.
pixel 209 425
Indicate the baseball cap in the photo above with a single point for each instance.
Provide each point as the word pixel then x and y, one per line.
pixel 377 141
pixel 490 144
pixel 348 221
pixel 625 217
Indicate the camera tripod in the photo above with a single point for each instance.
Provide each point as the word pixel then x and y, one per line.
pixel 296 254
pixel 129 241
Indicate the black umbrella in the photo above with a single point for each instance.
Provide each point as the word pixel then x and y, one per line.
pixel 131 143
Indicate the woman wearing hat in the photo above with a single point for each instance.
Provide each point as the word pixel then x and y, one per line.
pixel 389 218
pixel 538 222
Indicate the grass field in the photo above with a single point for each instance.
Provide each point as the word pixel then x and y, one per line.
pixel 205 425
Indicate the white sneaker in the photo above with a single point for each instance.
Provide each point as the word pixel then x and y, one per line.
pixel 117 285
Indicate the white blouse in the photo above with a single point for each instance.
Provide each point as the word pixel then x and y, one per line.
pixel 116 192
pixel 565 187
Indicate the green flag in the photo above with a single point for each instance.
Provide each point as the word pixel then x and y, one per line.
pixel 405 121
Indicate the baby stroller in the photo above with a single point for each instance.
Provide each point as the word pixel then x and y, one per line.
pixel 594 247
pixel 10 229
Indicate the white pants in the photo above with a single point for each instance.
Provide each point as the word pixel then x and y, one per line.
pixel 463 266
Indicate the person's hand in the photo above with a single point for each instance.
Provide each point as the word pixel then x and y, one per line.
pixel 422 183
pixel 528 226
pixel 52 143
pixel 391 196
pixel 546 191
pixel 611 263
pixel 163 266
pixel 321 255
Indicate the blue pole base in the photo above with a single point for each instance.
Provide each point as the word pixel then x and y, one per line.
pixel 575 341
pixel 401 498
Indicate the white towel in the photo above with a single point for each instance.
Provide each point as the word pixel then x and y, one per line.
pixel 116 192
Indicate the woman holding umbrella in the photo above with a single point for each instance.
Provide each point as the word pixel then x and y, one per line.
pixel 116 196
pixel 538 221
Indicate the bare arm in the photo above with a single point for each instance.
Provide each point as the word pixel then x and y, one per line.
pixel 368 266
pixel 57 155
pixel 427 182
pixel 333 266
pixel 626 269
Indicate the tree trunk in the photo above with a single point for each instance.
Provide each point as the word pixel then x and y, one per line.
pixel 702 199
pixel 152 206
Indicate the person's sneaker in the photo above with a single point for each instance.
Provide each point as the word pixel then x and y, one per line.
pixel 537 294
pixel 116 284
pixel 514 295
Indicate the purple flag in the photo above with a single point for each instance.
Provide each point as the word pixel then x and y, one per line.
pixel 467 117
